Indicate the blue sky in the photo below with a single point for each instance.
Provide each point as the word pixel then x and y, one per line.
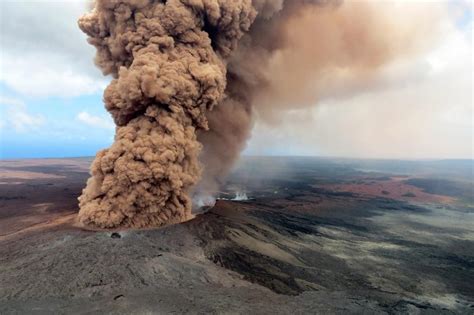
pixel 51 97
pixel 53 126
pixel 50 91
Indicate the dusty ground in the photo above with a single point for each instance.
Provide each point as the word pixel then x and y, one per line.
pixel 317 236
pixel 392 187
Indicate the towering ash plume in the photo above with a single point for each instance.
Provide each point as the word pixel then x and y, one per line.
pixel 190 74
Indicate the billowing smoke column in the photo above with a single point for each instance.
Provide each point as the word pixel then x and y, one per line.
pixel 189 77
pixel 168 61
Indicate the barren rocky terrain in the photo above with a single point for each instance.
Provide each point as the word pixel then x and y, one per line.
pixel 315 236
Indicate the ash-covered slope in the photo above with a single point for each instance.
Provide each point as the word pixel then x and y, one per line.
pixel 296 246
pixel 239 257
pixel 199 267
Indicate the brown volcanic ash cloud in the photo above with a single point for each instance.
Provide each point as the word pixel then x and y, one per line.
pixel 300 52
pixel 174 61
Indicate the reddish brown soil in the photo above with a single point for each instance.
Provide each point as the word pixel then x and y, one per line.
pixel 39 194
pixel 395 188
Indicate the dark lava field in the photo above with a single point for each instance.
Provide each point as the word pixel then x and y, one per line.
pixel 304 236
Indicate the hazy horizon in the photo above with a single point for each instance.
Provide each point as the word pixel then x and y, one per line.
pixel 243 156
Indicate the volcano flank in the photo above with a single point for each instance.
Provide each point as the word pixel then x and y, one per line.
pixel 310 238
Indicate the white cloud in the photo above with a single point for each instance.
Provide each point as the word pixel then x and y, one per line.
pixel 95 121
pixel 420 108
pixel 10 101
pixel 22 121
pixel 49 77
pixel 43 51
pixel 16 116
